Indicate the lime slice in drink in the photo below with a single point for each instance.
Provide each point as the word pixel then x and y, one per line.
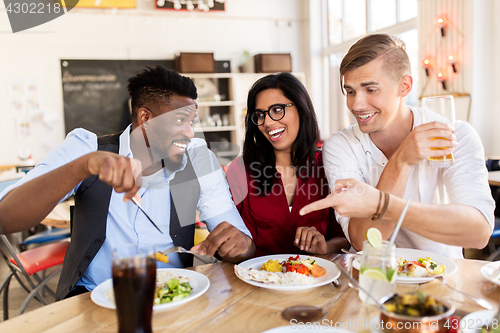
pixel 391 274
pixel 374 237
pixel 375 274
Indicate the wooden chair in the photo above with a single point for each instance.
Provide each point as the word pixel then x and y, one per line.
pixel 47 236
pixel 26 266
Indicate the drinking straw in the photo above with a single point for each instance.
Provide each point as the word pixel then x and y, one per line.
pixel 398 225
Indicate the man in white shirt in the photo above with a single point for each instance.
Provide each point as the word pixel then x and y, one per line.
pixel 388 147
pixel 176 175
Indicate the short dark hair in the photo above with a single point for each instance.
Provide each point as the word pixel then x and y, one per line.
pixel 155 85
pixel 371 47
pixel 258 153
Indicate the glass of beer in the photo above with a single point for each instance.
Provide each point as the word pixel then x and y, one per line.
pixel 134 284
pixel 442 109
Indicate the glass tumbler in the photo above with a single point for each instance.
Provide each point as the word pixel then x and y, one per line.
pixel 378 271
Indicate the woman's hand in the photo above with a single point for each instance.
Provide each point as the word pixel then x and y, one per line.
pixel 310 240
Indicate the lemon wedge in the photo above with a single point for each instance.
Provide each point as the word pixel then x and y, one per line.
pixel 374 237
pixel 375 274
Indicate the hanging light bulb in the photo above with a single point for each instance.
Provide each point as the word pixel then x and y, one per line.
pixel 160 3
pixel 427 65
pixel 442 80
pixel 189 5
pixel 177 4
pixel 210 3
pixel 451 60
pixel 441 25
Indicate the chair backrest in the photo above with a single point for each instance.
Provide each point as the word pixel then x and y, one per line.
pixel 24 266
pixel 46 236
pixel 34 260
pixel 9 253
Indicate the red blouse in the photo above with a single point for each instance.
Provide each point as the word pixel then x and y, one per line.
pixel 268 217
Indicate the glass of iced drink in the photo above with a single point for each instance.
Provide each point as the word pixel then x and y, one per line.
pixel 442 109
pixel 134 284
pixel 378 271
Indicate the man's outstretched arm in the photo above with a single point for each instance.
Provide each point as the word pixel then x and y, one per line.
pixel 27 205
pixel 451 224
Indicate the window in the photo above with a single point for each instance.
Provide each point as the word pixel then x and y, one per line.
pixel 348 20
pixel 382 14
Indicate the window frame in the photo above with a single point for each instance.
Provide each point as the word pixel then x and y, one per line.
pixel 333 113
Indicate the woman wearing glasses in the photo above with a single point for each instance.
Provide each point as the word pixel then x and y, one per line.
pixel 281 171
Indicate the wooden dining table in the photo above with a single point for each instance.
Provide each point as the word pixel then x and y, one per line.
pixel 231 305
pixel 494 178
pixel 59 217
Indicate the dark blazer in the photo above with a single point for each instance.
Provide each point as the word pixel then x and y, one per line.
pixel 88 223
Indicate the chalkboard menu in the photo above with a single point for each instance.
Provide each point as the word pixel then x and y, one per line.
pixel 95 92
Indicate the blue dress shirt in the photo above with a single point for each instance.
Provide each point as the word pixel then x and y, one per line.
pixel 125 223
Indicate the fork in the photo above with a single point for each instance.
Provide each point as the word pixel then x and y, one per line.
pixel 482 302
pixel 350 252
pixel 178 249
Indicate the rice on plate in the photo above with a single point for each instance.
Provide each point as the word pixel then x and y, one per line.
pixel 280 278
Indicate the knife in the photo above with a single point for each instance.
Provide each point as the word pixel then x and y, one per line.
pixel 134 200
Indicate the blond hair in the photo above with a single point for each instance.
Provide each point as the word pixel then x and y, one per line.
pixel 375 46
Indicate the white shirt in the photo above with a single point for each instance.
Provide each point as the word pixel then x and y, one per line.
pixel 351 153
pixel 125 223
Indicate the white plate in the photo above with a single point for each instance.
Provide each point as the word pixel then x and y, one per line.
pixel 198 281
pixel 488 269
pixel 412 254
pixel 332 272
pixel 304 328
pixel 473 322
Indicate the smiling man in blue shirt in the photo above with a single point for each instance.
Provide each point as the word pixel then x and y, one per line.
pixel 175 172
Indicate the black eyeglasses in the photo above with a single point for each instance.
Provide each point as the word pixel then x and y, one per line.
pixel 276 112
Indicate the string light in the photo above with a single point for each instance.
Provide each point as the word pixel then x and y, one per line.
pixel 435 62
pixel 451 60
pixel 427 66
pixel 442 80
pixel 442 25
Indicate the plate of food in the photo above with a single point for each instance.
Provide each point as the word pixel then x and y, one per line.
pixel 490 272
pixel 287 272
pixel 173 287
pixel 417 266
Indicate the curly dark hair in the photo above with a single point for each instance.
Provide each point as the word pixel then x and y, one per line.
pixel 155 85
pixel 258 153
